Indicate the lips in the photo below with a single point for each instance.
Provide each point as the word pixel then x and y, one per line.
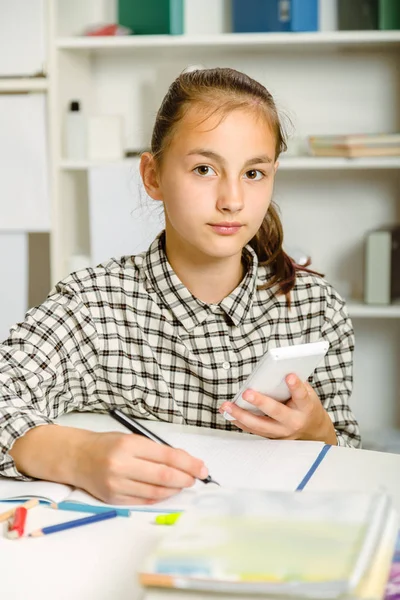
pixel 226 228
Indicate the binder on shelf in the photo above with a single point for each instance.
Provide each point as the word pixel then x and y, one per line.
pixel 152 17
pixel 368 14
pixel 382 265
pixel 255 16
pixel 389 14
pixel 358 14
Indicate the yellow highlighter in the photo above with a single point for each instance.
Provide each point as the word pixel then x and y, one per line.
pixel 169 519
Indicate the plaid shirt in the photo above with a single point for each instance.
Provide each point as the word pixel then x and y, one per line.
pixel 129 334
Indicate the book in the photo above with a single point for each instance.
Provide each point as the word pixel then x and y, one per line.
pixel 382 265
pixel 389 14
pixel 360 139
pixel 358 14
pixel 274 15
pixel 392 589
pixel 355 145
pixel 234 460
pixel 151 17
pixel 299 545
pixel 357 152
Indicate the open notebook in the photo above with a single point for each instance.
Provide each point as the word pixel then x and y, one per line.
pixel 234 460
pixel 319 545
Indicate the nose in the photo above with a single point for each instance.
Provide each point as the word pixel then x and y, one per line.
pixel 230 196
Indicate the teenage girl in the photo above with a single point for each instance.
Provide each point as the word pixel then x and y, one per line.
pixel 172 333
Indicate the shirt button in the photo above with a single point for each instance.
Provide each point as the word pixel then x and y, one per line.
pixel 226 365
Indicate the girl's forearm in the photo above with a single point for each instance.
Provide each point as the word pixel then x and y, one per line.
pixel 51 452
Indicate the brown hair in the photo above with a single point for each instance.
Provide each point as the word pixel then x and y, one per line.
pixel 227 90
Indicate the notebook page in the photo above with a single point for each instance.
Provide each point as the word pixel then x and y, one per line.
pixel 44 490
pixel 236 462
pixel 251 462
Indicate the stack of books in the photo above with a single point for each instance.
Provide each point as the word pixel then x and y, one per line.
pixel 352 146
pixel 321 545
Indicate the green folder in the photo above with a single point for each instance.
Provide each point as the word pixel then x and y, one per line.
pixel 389 14
pixel 151 17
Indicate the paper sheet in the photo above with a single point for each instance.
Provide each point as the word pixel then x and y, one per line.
pixel 238 461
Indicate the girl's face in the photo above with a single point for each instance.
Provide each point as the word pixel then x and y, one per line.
pixel 216 182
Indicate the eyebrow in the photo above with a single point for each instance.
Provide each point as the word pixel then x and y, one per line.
pixel 263 158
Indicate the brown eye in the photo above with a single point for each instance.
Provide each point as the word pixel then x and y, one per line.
pixel 204 170
pixel 254 174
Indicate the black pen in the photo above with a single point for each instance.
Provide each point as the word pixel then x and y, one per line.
pixel 140 429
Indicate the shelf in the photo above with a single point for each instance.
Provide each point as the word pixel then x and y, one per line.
pixel 311 163
pixel 23 84
pixel 84 165
pixel 306 163
pixel 296 41
pixel 369 311
pixel 24 229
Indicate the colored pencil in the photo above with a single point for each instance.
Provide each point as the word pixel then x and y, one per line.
pixel 90 508
pixel 17 526
pixel 10 513
pixel 71 524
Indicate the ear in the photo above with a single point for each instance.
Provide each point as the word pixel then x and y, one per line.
pixel 149 176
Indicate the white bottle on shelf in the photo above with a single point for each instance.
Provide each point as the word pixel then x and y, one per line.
pixel 75 133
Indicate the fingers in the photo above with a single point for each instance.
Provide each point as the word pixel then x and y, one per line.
pixel 158 474
pixel 274 409
pixel 281 420
pixel 268 430
pixel 178 460
pixel 129 491
pixel 251 423
pixel 138 468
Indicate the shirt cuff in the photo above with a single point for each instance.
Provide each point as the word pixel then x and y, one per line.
pixel 345 442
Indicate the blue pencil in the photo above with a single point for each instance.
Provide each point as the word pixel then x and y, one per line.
pixel 71 524
pixel 90 508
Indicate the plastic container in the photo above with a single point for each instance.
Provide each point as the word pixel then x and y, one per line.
pixel 75 133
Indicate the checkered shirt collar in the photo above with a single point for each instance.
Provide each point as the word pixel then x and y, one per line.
pixel 191 311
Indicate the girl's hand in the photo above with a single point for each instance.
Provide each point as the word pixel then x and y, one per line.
pixel 131 469
pixel 301 418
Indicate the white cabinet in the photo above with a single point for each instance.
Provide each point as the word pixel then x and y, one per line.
pixel 24 197
pixel 325 82
pixel 24 174
pixel 22 38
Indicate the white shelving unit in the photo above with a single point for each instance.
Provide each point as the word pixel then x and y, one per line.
pixel 359 310
pixel 232 41
pixel 323 83
pixel 12 85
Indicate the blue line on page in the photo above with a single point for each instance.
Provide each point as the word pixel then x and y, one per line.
pixel 313 468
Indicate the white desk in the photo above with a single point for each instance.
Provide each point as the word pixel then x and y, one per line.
pixel 100 562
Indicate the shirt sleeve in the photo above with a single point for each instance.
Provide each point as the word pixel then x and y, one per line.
pixel 48 367
pixel 333 380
